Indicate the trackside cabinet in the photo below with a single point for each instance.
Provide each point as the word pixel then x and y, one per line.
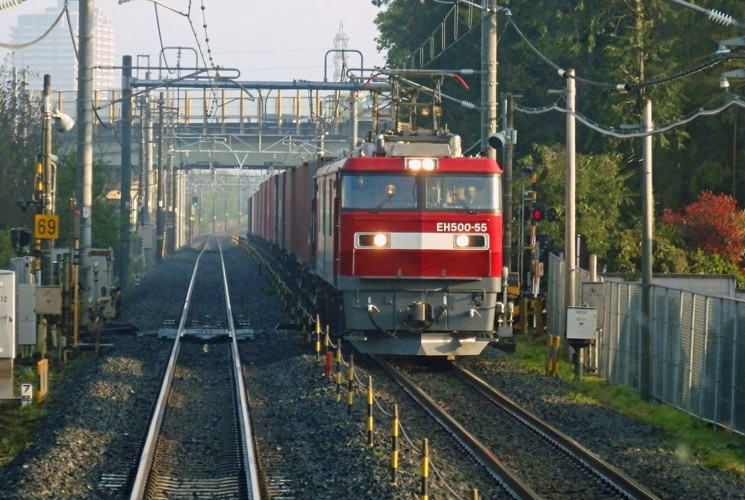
pixel 7 332
pixel 581 324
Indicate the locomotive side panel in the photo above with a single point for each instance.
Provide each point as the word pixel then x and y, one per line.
pixel 325 210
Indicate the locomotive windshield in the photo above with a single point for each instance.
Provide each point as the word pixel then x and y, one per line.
pixel 365 191
pixel 431 192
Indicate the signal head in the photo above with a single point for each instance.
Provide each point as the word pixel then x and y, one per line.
pixel 497 140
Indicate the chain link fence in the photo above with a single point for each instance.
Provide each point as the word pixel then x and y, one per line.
pixel 698 345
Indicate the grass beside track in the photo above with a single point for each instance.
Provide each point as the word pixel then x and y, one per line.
pixel 17 424
pixel 691 438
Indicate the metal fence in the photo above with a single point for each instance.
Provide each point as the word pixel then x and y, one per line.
pixel 555 294
pixel 698 345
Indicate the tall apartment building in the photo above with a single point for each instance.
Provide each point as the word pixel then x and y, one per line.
pixel 55 54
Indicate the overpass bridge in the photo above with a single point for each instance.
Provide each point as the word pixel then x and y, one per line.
pixel 198 154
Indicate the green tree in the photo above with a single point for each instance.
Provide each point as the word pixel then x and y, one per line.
pixel 20 140
pixel 105 222
pixel 601 191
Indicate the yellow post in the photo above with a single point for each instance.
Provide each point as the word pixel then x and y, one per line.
pixel 394 446
pixel 326 339
pixel 369 412
pixel 338 373
pixel 425 470
pixel 350 386
pixel 552 355
pixel 556 356
pixel 318 338
pixel 42 368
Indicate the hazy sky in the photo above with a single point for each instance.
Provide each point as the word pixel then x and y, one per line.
pixel 267 40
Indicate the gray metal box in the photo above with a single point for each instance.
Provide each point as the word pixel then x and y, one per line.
pixel 48 300
pixel 581 323
pixel 25 315
pixel 7 314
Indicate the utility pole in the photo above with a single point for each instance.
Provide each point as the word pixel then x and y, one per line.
pixel 489 76
pixel 170 233
pixel 159 197
pixel 47 178
pixel 85 144
pixel 509 148
pixel 149 140
pixel 570 245
pixel 126 181
pixel 645 347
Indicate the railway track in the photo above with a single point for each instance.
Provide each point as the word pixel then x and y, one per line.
pixel 199 442
pixel 529 458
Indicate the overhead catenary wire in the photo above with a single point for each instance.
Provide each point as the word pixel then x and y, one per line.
pixel 621 86
pixel 72 33
pixel 736 101
pixel 213 106
pixel 9 4
pixel 34 42
pixel 715 15
pixel 160 38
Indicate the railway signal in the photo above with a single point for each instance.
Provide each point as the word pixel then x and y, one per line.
pixel 195 201
pixel 537 213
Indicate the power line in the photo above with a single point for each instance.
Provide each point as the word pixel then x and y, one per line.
pixel 9 4
pixel 736 101
pixel 428 51
pixel 34 42
pixel 625 86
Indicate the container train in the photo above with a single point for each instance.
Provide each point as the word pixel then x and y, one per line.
pixel 402 241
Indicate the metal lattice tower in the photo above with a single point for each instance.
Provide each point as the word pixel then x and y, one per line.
pixel 341 42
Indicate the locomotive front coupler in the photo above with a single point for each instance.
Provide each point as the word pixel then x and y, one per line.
pixel 421 315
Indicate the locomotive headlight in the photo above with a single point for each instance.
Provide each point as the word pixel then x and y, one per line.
pixel 474 241
pixel 416 164
pixel 461 241
pixel 380 240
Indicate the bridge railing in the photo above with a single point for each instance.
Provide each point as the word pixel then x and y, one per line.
pixel 286 111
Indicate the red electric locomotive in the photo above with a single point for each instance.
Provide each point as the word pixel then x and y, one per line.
pixel 406 236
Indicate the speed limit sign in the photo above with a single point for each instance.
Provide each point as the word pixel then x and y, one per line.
pixel 46 226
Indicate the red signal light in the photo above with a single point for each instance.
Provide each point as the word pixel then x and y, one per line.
pixel 537 214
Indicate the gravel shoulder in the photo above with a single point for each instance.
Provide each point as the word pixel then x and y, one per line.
pixel 98 416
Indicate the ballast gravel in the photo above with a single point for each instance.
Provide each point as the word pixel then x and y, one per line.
pixel 310 444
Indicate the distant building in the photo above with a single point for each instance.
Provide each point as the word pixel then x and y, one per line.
pixel 55 54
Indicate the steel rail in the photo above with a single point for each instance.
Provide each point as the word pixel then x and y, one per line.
pixel 506 477
pixel 614 477
pixel 148 450
pixel 247 440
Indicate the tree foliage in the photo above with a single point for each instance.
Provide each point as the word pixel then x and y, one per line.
pixel 20 140
pixel 650 45
pixel 601 191
pixel 105 223
pixel 713 225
